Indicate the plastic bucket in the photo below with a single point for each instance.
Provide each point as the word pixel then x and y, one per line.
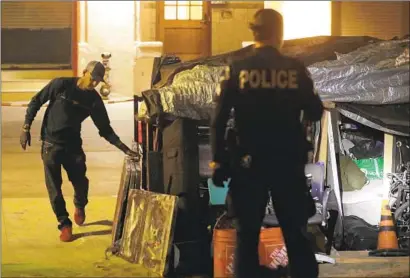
pixel 272 250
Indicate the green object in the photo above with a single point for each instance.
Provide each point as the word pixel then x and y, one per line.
pixel 371 167
pixel 351 177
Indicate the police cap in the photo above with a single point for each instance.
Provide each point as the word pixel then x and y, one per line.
pixel 97 70
pixel 266 19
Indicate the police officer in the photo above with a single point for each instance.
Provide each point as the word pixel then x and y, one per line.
pixel 268 92
pixel 71 101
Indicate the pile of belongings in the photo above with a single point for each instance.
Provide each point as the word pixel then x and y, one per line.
pixel 359 70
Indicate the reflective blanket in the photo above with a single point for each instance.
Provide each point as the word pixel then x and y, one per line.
pixel 364 71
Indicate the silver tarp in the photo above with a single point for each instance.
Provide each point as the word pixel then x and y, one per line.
pixel 371 124
pixel 190 95
pixel 373 74
pixel 391 118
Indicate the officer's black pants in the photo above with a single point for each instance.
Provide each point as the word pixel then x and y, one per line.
pixel 249 193
pixel 73 160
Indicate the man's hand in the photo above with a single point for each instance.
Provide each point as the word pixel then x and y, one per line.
pixel 25 137
pixel 132 154
pixel 127 151
pixel 328 104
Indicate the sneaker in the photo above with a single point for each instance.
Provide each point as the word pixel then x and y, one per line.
pixel 66 234
pixel 79 216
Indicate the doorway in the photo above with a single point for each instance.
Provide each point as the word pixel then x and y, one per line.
pixel 184 27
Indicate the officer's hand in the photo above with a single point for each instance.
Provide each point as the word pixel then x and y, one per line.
pixel 25 138
pixel 219 176
pixel 329 104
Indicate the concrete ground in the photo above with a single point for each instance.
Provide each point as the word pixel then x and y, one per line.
pixel 30 244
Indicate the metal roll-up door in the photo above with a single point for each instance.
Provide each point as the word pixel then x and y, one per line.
pixel 36 34
pixel 383 20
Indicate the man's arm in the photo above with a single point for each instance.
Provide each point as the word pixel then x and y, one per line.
pixel 224 104
pixel 38 100
pixel 311 102
pixel 101 120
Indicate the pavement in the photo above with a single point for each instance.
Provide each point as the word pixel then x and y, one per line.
pixel 30 243
pixel 31 247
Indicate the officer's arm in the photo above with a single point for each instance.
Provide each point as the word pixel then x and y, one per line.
pixel 224 104
pixel 101 120
pixel 39 99
pixel 311 102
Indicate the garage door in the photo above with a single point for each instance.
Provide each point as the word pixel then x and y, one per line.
pixel 36 34
pixel 376 19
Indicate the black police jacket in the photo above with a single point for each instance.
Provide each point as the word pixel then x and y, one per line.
pixel 268 92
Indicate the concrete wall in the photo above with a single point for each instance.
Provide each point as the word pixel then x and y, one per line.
pixel 148 20
pixel 127 29
pixel 124 28
pixel 109 26
pixel 230 24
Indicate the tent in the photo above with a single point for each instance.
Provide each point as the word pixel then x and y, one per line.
pixel 366 77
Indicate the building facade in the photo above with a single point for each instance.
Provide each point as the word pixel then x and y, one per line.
pixel 65 35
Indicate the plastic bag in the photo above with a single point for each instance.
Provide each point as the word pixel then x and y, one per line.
pixel 368 149
pixel 358 234
pixel 371 167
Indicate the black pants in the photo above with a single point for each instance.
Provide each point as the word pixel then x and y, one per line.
pixel 249 192
pixel 73 160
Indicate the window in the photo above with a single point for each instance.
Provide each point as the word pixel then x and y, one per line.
pixel 300 24
pixel 183 10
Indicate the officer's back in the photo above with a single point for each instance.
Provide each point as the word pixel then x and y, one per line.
pixel 271 93
pixel 268 91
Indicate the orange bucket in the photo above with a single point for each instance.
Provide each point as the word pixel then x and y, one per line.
pixel 272 250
